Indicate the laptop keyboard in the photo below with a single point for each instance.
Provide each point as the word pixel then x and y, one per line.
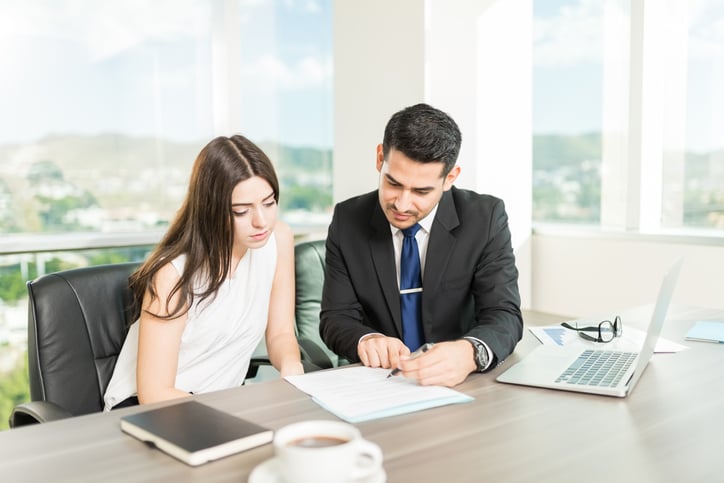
pixel 600 368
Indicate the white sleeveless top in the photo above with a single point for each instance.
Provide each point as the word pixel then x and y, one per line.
pixel 220 335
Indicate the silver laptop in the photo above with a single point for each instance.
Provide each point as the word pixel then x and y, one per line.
pixel 595 371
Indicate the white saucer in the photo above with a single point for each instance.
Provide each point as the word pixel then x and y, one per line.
pixel 268 472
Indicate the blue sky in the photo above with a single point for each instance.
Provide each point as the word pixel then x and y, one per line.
pixel 145 68
pixel 568 66
pixel 142 68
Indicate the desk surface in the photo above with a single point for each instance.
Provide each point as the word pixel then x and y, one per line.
pixel 669 429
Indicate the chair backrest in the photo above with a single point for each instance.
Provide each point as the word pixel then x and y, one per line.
pixel 77 322
pixel 309 278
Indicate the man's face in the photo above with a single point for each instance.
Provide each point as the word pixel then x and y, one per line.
pixel 408 189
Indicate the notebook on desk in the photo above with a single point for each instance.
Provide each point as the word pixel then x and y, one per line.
pixel 602 371
pixel 195 433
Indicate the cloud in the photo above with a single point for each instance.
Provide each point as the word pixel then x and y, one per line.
pixel 706 32
pixel 573 36
pixel 575 33
pixel 271 72
pixel 115 26
pixel 306 6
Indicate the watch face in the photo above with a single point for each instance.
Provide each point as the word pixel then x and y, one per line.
pixel 480 355
pixel 482 358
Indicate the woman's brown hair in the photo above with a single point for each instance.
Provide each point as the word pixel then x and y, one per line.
pixel 203 227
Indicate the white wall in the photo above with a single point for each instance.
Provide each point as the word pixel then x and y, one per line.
pixel 378 70
pixel 478 69
pixel 580 274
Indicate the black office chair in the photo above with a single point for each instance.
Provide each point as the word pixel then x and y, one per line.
pixel 77 322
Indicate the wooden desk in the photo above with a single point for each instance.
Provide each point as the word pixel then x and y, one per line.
pixel 669 429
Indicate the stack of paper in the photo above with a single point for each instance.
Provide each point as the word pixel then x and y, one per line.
pixel 359 393
pixel 631 340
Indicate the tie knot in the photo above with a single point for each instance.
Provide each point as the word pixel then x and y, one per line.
pixel 411 231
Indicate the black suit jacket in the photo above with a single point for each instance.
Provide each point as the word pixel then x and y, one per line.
pixel 470 283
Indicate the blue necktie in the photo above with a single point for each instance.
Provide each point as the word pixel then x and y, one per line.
pixel 411 290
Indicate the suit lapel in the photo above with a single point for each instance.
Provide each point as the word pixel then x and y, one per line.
pixel 439 249
pixel 383 257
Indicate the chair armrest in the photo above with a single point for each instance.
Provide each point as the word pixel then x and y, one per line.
pixel 36 412
pixel 314 354
pixel 255 363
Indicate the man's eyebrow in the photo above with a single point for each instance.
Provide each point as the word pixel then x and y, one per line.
pixel 418 188
pixel 270 195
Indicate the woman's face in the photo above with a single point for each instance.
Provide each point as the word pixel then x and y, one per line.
pixel 254 211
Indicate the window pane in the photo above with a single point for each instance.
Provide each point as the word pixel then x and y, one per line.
pixel 567 110
pixel 704 168
pixel 286 99
pixel 111 101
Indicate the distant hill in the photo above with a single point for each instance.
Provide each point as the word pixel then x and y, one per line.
pixel 552 151
pixel 143 179
pixel 92 157
pixel 127 178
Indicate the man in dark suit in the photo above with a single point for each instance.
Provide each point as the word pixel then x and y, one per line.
pixel 470 304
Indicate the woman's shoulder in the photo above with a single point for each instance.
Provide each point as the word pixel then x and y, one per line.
pixel 178 263
pixel 283 233
pixel 172 270
pixel 165 279
pixel 161 266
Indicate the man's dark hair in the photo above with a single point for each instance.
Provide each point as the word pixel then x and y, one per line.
pixel 423 134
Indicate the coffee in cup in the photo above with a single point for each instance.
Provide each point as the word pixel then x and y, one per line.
pixel 318 441
pixel 321 451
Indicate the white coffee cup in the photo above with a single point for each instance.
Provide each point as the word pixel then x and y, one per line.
pixel 320 451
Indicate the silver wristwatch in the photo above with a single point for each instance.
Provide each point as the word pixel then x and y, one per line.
pixel 481 354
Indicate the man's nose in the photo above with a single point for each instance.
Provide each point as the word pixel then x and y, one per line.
pixel 404 201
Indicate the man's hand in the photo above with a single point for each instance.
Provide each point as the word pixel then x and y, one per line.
pixel 380 351
pixel 445 364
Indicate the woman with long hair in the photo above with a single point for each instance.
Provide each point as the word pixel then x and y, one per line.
pixel 221 278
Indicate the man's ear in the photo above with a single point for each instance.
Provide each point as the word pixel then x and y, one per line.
pixel 380 157
pixel 451 177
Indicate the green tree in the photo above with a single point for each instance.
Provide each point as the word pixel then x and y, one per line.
pixel 12 286
pixel 14 389
pixel 42 171
pixel 53 211
pixel 306 198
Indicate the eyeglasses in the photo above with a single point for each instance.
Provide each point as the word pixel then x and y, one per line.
pixel 607 330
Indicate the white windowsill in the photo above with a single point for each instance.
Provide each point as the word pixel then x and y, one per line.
pixel 41 242
pixel 11 244
pixel 686 236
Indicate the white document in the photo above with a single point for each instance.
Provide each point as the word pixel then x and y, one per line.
pixel 631 340
pixel 359 393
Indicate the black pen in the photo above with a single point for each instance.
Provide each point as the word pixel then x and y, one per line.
pixel 424 348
